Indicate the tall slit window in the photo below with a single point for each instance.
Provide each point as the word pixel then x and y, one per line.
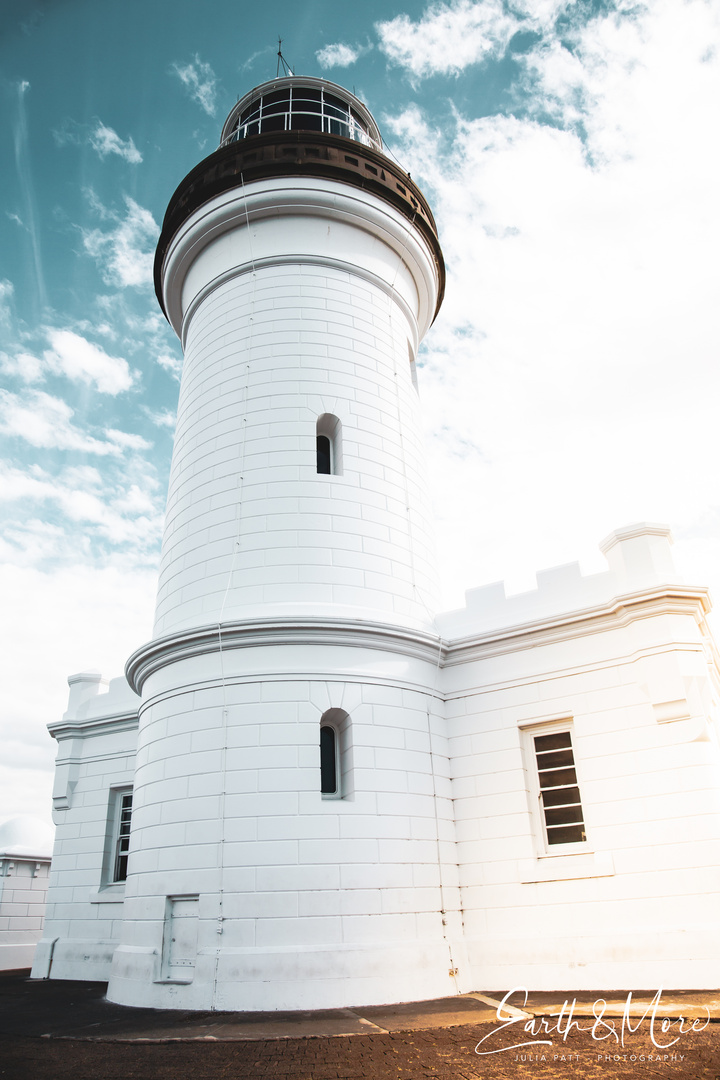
pixel 328 445
pixel 559 791
pixel 122 837
pixel 328 760
pixel 335 755
pixel 324 459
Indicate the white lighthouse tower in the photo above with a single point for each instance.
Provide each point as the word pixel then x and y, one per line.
pixel 292 841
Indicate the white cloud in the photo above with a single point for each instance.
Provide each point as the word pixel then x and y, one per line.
pixel 83 361
pixel 106 141
pixel 27 188
pixel 127 440
pixel 199 79
pixel 75 618
pixel 25 366
pixel 571 381
pixel 266 51
pixel 125 254
pixel 339 55
pixel 31 542
pixel 7 291
pixel 125 514
pixel 46 422
pixel 135 501
pixel 103 139
pixel 161 417
pixel 173 364
pixel 448 37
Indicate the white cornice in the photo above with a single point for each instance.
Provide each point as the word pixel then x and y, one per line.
pixel 306 260
pixel 615 614
pixel 384 637
pixel 94 725
pixel 248 205
pixel 420 645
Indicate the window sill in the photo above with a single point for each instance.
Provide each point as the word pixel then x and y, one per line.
pixel 566 867
pixel 110 894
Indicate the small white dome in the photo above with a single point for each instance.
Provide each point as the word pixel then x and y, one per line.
pixel 26 836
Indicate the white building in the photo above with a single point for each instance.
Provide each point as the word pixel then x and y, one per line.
pixel 25 850
pixel 330 794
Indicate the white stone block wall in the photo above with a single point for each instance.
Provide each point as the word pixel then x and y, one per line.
pixel 636 904
pixel 279 331
pixel 23 890
pixel 300 898
pixel 96 754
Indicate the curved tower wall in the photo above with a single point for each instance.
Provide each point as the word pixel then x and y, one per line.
pixel 298 298
pixel 290 598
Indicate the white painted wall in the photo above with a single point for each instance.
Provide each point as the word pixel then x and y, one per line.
pixel 25 845
pixel 318 899
pixel 280 328
pixel 96 753
pixel 301 898
pixel 636 905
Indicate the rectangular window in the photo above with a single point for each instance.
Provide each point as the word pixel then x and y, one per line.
pixel 559 793
pixel 121 843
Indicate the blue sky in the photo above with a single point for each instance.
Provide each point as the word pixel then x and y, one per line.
pixel 570 383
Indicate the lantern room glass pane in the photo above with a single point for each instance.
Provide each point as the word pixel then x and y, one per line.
pixel 300 108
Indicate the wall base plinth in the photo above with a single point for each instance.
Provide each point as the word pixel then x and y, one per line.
pixel 630 961
pixel 248 980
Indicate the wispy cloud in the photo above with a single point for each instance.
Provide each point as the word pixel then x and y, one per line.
pixel 46 422
pixel 448 37
pixel 164 418
pixel 559 281
pixel 127 440
pixel 106 141
pixel 103 139
pixel 266 51
pixel 22 164
pixel 173 364
pixel 123 514
pixel 72 355
pixel 82 361
pixel 92 616
pixel 24 366
pixel 199 80
pixel 340 55
pixel 125 252
pixel 7 291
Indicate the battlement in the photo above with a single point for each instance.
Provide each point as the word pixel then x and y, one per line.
pixel 93 696
pixel 638 556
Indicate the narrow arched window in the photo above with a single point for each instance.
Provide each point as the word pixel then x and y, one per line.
pixel 328 433
pixel 335 755
pixel 324 456
pixel 328 760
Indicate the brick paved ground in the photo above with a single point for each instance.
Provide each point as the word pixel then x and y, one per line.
pixel 442 1054
pixel 95 1040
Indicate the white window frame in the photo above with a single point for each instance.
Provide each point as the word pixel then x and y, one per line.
pixel 529 733
pixel 112 837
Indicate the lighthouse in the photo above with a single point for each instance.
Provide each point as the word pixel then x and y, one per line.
pixel 292 836
pixel 309 790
